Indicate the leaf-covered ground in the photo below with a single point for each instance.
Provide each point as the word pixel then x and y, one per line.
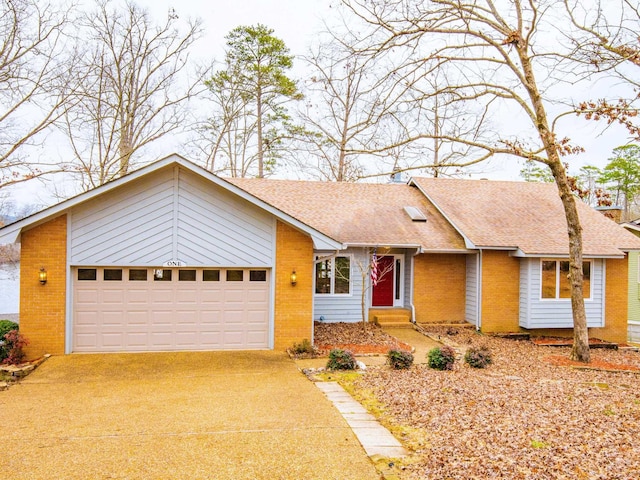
pixel 353 336
pixel 521 418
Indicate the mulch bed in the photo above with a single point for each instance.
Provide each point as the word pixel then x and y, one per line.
pixel 594 364
pixel 567 342
pixel 359 339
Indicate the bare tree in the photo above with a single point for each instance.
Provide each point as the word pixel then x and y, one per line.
pixel 134 88
pixel 32 82
pixel 230 132
pixel 499 59
pixel 607 40
pixel 349 106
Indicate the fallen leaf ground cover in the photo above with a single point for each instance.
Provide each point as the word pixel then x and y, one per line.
pixel 353 337
pixel 524 417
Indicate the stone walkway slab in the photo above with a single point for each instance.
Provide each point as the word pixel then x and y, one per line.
pixel 374 438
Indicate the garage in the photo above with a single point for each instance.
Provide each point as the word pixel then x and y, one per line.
pixel 130 309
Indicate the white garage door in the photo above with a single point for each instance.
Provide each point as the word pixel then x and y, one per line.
pixel 143 309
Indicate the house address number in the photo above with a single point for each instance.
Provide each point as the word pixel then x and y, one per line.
pixel 174 263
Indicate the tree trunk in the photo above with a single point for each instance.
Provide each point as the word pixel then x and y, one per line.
pixel 580 350
pixel 259 131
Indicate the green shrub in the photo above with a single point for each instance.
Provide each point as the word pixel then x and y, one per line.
pixel 399 359
pixel 341 360
pixel 303 347
pixel 442 358
pixel 478 357
pixel 12 353
pixel 6 326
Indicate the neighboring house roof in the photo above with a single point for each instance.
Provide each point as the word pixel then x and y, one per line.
pixel 11 233
pixel 523 216
pixel 359 213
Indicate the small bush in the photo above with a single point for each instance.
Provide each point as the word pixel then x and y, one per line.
pixel 478 357
pixel 12 352
pixel 6 326
pixel 399 359
pixel 442 358
pixel 341 360
pixel 303 347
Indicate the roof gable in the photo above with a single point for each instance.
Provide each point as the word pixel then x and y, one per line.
pixel 11 233
pixel 524 216
pixel 360 213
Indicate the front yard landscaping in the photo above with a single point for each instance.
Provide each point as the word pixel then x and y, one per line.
pixel 528 415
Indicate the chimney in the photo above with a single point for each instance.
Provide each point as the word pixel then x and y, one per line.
pixel 614 213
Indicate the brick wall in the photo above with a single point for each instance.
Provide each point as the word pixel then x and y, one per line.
pixel 500 292
pixel 439 288
pixel 615 310
pixel 293 304
pixel 42 307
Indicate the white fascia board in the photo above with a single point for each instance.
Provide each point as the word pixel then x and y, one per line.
pixel 520 254
pixel 12 233
pixel 383 245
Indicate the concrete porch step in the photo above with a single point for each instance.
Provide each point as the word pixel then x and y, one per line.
pixel 393 319
pixel 449 325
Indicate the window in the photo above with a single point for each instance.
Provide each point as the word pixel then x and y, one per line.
pixel 333 276
pixel 112 274
pixel 234 275
pixel 137 275
pixel 162 275
pixel 211 275
pixel 87 274
pixel 257 275
pixel 555 279
pixel 186 275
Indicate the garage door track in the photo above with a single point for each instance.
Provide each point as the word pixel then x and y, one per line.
pixel 227 415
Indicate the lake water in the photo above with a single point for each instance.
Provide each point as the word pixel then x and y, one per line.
pixel 9 288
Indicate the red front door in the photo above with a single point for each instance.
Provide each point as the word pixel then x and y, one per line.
pixel 383 291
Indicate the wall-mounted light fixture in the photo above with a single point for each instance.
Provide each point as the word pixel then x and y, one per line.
pixel 42 276
pixel 294 278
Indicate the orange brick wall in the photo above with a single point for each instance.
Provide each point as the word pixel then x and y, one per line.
pixel 615 310
pixel 439 288
pixel 42 307
pixel 293 304
pixel 500 292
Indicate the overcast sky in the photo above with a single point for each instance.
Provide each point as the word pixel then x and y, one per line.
pixel 296 22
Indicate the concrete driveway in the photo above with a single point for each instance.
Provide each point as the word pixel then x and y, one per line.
pixel 218 415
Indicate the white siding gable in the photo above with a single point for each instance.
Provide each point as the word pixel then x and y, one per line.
pixel 171 214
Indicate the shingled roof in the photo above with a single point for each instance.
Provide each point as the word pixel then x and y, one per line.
pixel 523 216
pixel 359 213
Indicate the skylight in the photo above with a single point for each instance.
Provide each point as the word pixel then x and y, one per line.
pixel 415 214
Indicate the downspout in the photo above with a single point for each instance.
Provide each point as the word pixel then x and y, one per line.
pixel 479 292
pixel 413 275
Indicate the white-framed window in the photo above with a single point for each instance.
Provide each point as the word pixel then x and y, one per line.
pixel 333 275
pixel 554 279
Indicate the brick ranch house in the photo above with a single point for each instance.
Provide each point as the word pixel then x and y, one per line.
pixel 172 257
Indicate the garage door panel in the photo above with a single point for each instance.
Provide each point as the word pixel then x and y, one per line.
pixel 87 296
pixel 187 297
pixel 136 317
pixel 138 296
pixel 138 340
pixel 86 340
pixel 148 315
pixel 162 296
pixel 112 340
pixel 116 297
